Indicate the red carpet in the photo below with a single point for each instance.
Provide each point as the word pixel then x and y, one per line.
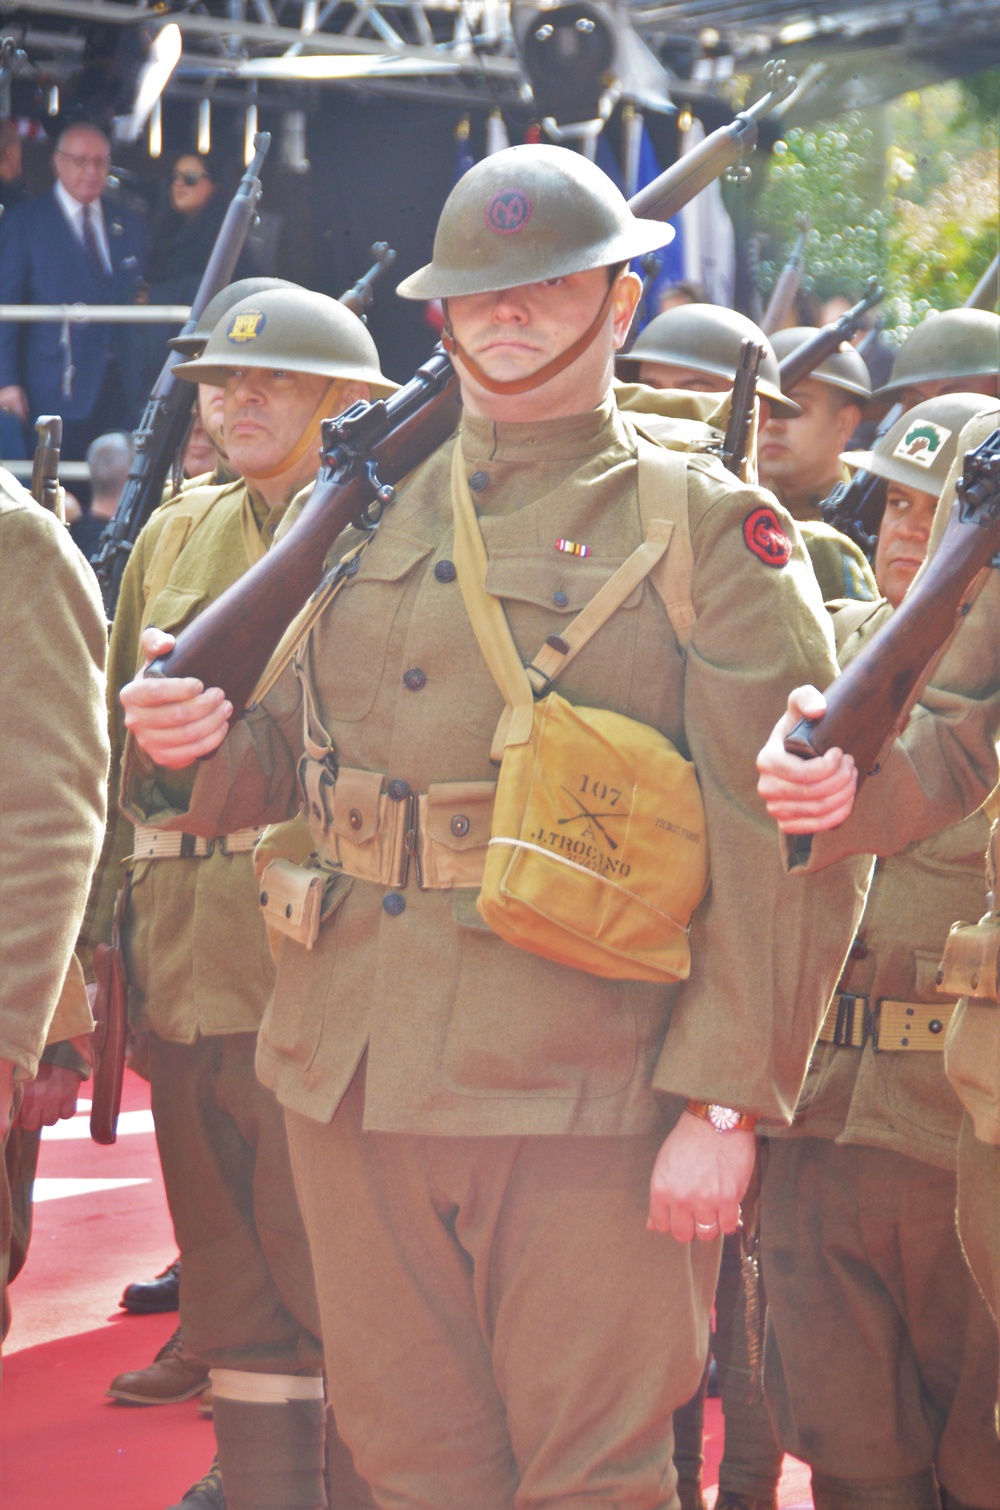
pixel 100 1221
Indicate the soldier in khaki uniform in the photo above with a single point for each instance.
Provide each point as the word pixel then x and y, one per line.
pixel 943 767
pixel 489 1147
pixel 52 790
pixel 882 1364
pixel 956 351
pixel 800 454
pixel 198 962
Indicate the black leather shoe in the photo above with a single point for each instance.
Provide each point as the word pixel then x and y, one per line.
pixel 207 1494
pixel 159 1294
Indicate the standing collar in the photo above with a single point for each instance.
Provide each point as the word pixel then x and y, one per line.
pixel 576 435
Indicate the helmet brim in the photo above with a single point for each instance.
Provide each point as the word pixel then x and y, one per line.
pixel 215 374
pixel 441 281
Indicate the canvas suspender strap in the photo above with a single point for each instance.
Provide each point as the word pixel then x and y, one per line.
pixel 663 476
pixel 302 624
pixel 517 684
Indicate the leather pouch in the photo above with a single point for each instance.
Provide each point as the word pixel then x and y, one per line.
pixel 971 963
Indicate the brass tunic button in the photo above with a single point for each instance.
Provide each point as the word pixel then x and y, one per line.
pixel 460 825
pixel 859 950
pixel 560 599
pixel 394 903
pixel 398 790
pixel 354 818
pixel 263 899
pixel 478 481
pixel 445 571
pixel 414 679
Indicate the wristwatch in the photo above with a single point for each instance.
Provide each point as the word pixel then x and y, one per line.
pixel 723 1118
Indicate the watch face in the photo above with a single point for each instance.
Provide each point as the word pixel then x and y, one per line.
pixel 723 1118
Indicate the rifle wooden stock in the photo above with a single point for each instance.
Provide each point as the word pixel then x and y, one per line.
pixel 798 364
pixel 230 644
pixel 986 294
pixel 870 702
pixel 371 447
pixel 782 299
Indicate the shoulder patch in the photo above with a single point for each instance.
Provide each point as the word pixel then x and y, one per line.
pixel 765 538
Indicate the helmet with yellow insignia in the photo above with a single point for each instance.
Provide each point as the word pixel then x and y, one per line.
pixel 291 329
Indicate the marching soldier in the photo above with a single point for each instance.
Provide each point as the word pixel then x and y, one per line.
pixel 943 767
pixel 881 1361
pixel 799 454
pixel 957 351
pixel 53 643
pixel 198 963
pixel 490 1147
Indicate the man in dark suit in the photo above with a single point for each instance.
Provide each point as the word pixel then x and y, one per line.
pixel 68 247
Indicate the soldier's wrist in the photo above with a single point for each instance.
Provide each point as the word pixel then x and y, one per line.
pixel 723 1118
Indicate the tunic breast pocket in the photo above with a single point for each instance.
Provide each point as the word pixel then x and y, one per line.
pixel 173 607
pixel 542 592
pixel 356 636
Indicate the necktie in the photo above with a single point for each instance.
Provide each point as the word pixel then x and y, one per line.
pixel 91 247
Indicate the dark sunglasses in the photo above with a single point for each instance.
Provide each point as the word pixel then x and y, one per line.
pixel 188 178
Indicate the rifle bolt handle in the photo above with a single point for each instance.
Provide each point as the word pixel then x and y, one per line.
pixel 798 741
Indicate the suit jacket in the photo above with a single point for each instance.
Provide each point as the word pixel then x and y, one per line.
pixel 42 262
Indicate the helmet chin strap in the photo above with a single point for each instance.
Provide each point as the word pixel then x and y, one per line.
pixel 549 370
pixel 307 438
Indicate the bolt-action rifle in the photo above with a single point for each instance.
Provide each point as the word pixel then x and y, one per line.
pixel 798 364
pixel 782 300
pixel 45 467
pixel 164 424
pixel 870 702
pixel 741 406
pixel 358 299
pixel 371 447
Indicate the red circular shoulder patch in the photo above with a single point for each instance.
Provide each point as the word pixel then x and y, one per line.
pixel 765 538
pixel 508 212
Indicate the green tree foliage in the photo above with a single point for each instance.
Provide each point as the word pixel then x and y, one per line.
pixel 908 192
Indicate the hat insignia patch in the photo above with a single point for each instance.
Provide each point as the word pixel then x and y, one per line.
pixel 246 326
pixel 508 212
pixel 922 442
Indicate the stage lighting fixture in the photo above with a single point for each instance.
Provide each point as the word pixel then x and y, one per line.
pixel 205 126
pixel 568 52
pixel 164 54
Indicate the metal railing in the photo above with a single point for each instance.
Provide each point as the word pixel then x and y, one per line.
pixel 104 314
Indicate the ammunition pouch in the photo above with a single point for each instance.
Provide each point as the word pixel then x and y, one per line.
pixel 971 963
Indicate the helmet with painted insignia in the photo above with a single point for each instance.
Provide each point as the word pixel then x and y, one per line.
pixel 192 344
pixel 844 369
pixel 527 214
pixel 706 338
pixel 918 450
pixel 294 329
pixel 946 347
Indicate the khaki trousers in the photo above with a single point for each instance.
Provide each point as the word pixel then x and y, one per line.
pixel 881 1359
pixel 979 1211
pixel 500 1328
pixel 247 1295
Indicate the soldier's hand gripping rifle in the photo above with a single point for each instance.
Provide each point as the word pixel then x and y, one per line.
pixel 782 300
pixel 798 364
pixel 371 447
pixel 870 702
pixel 359 298
pixel 45 467
pixel 164 423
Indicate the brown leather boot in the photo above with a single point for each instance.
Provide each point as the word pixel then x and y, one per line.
pixel 174 1375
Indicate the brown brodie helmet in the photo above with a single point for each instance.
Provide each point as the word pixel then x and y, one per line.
pixel 706 338
pixel 294 330
pixel 524 215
